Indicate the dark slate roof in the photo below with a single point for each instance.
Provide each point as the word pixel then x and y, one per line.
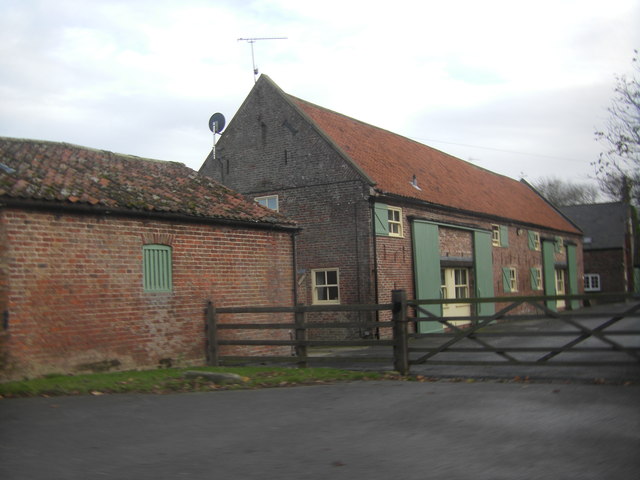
pixel 604 224
pixel 63 174
pixel 391 161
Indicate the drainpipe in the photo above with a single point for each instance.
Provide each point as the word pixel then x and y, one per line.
pixel 375 260
pixel 294 245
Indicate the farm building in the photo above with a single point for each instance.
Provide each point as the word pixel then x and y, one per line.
pixel 610 245
pixel 109 260
pixel 379 211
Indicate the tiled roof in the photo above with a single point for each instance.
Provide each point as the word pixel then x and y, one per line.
pixel 68 175
pixel 392 161
pixel 604 224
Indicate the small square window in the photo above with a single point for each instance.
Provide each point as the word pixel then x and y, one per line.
pixel 325 286
pixel 157 268
pixel 395 221
pixel 591 282
pixel 270 201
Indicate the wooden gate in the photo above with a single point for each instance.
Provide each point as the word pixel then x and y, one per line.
pixel 544 337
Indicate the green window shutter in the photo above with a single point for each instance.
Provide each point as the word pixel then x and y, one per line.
pixel 558 245
pixel 572 272
pixel 426 251
pixel 157 268
pixel 548 271
pixel 506 279
pixel 483 263
pixel 534 278
pixel 532 239
pixel 381 219
pixel 504 236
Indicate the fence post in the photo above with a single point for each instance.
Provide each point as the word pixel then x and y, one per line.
pixel 301 334
pixel 212 335
pixel 400 332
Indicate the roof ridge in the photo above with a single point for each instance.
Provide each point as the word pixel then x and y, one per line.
pixel 91 149
pixel 390 132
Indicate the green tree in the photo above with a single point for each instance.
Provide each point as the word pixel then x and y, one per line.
pixel 618 166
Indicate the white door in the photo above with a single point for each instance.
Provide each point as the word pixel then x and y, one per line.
pixel 455 284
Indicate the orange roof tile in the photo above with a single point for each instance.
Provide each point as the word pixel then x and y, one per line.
pixel 70 174
pixel 392 161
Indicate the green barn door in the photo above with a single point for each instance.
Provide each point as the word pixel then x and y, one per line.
pixel 483 262
pixel 572 272
pixel 426 251
pixel 549 270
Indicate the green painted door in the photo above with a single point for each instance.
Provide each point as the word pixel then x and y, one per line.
pixel 483 262
pixel 426 251
pixel 549 270
pixel 572 272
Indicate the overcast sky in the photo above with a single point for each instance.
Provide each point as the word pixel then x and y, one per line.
pixel 512 86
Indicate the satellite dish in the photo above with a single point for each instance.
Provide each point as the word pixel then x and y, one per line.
pixel 216 123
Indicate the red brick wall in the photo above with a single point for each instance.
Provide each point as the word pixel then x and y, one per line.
pixel 72 287
pixel 395 262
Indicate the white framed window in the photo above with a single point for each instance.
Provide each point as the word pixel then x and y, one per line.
pixel 395 221
pixel 559 244
pixel 326 286
pixel 510 279
pixel 461 282
pixel 560 282
pixel 591 282
pixel 269 201
pixel 495 235
pixel 534 240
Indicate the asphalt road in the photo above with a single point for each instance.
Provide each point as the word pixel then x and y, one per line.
pixel 360 430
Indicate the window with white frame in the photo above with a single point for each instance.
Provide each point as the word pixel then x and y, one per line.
pixel 269 201
pixel 495 235
pixel 591 282
pixel 326 286
pixel 510 279
pixel 534 240
pixel 395 221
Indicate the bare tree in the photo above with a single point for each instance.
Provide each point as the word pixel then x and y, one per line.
pixel 562 193
pixel 618 167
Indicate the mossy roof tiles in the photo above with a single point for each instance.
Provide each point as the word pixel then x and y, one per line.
pixel 67 175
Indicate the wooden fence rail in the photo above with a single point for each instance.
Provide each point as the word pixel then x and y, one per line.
pixel 455 343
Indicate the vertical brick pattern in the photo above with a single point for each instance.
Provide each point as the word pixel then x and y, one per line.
pixel 72 288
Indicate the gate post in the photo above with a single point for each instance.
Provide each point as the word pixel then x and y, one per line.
pixel 301 335
pixel 212 335
pixel 400 332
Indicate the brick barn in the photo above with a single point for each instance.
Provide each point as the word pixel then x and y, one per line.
pixel 108 260
pixel 379 211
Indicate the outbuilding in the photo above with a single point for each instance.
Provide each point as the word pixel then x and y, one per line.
pixel 107 261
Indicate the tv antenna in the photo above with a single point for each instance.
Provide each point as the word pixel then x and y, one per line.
pixel 251 41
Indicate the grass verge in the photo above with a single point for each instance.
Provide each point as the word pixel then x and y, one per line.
pixel 172 380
